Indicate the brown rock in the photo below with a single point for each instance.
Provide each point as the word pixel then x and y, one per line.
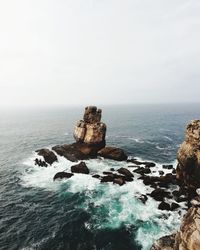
pixel 113 153
pixel 188 169
pixel 125 172
pixel 119 181
pixel 91 130
pixel 80 168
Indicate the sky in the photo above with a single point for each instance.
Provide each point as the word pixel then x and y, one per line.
pixel 90 52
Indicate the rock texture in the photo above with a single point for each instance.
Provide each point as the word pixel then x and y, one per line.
pixel 48 155
pixel 113 153
pixel 89 134
pixel 188 237
pixel 91 130
pixel 188 169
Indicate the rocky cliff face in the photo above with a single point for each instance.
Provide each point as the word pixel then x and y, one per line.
pixel 91 130
pixel 188 237
pixel 188 169
pixel 188 173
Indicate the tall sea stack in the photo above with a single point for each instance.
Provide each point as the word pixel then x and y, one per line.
pixel 91 130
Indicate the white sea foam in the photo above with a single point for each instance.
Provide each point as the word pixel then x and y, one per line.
pixel 113 205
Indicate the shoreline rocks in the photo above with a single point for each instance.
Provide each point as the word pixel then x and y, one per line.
pixel 188 237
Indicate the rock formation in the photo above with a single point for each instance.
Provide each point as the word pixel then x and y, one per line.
pixel 188 175
pixel 188 169
pixel 113 153
pixel 89 134
pixel 188 237
pixel 91 130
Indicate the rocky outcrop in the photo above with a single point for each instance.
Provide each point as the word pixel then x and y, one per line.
pixel 62 175
pixel 80 168
pixel 164 243
pixel 113 153
pixel 91 130
pixel 89 134
pixel 48 155
pixel 188 237
pixel 188 169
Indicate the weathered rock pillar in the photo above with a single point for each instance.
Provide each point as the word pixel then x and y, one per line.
pixel 91 130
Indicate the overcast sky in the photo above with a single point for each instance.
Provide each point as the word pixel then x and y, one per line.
pixel 99 51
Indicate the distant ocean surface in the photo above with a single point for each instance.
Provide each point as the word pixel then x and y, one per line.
pixel 80 213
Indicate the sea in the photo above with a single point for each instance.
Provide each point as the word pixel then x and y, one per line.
pixel 81 213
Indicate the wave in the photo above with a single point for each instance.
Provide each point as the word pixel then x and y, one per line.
pixel 110 206
pixel 168 138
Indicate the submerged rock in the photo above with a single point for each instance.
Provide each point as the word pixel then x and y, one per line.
pixel 113 153
pixel 62 175
pixel 48 155
pixel 80 168
pixel 188 169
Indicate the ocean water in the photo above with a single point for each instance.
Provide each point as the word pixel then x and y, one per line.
pixel 80 213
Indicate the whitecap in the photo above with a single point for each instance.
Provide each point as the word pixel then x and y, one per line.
pixel 113 205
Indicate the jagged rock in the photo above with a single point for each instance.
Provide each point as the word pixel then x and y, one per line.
pixel 188 238
pixel 125 172
pixel 62 175
pixel 188 169
pixel 161 172
pixel 70 152
pixel 113 153
pixel 80 168
pixel 174 206
pixel 77 151
pixel 40 163
pixel 91 130
pixel 143 198
pixel 164 206
pixel 159 194
pixel 164 243
pixel 142 170
pixel 48 155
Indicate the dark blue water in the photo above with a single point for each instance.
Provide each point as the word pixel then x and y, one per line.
pixel 80 213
